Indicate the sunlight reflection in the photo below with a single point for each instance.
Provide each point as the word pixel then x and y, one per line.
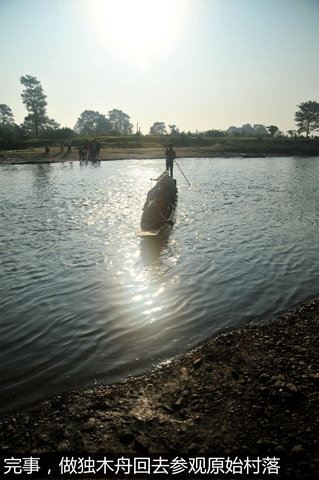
pixel 137 298
pixel 140 277
pixel 160 290
pixel 152 310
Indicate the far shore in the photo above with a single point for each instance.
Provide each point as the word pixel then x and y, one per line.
pixel 37 155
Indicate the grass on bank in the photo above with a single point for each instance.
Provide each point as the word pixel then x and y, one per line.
pixel 211 145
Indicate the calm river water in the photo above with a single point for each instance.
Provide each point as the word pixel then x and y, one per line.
pixel 84 300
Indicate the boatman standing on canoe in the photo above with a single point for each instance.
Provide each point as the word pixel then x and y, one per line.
pixel 170 157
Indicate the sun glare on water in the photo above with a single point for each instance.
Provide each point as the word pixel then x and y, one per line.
pixel 140 31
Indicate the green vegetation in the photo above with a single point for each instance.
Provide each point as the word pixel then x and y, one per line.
pixel 91 122
pixel 201 143
pixel 307 118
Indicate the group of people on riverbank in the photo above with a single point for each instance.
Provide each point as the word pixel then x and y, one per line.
pixel 88 148
pixel 92 149
pixel 61 145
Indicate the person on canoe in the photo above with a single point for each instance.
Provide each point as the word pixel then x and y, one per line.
pixel 170 157
pixel 152 217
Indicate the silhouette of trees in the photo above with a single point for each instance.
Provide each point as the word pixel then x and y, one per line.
pixel 120 122
pixel 6 115
pixel 8 129
pixel 35 101
pixel 158 128
pixel 247 129
pixel 173 130
pixel 272 129
pixel 307 118
pixel 215 133
pixel 291 133
pixel 91 122
pixel 49 125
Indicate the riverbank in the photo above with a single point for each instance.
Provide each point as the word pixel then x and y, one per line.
pixel 116 147
pixel 36 155
pixel 106 154
pixel 253 392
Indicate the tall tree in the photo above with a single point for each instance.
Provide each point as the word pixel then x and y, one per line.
pixel 47 126
pixel 120 121
pixel 91 122
pixel 173 130
pixel 272 129
pixel 51 125
pixel 8 129
pixel 34 100
pixel 6 115
pixel 158 128
pixel 307 118
pixel 291 133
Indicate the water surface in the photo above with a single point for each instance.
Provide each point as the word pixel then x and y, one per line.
pixel 84 300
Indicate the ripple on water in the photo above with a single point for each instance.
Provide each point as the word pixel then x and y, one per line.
pixel 83 298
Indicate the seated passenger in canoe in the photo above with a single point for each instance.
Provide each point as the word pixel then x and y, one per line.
pixel 153 218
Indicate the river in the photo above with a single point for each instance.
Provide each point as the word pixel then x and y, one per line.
pixel 84 300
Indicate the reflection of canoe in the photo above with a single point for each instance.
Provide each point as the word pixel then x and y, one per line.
pixel 151 250
pixel 253 155
pixel 154 227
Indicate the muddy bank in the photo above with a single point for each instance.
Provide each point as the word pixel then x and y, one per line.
pixel 106 154
pixel 252 392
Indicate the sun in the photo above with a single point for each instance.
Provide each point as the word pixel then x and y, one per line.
pixel 139 31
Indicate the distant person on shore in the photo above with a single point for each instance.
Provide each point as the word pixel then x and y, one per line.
pixel 81 156
pixel 170 157
pixel 98 148
pixel 92 154
pixel 69 146
pixel 47 149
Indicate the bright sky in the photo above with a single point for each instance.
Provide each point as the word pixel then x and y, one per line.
pixel 197 64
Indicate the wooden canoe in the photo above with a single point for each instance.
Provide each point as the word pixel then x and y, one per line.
pixel 164 228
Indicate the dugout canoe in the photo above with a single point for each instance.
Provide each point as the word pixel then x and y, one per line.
pixel 165 187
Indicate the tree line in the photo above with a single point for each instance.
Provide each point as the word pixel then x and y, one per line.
pixel 117 122
pixel 37 121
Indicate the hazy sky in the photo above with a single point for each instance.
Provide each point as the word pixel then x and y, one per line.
pixel 198 64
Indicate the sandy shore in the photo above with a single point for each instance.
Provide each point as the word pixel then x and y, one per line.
pixel 106 154
pixel 253 392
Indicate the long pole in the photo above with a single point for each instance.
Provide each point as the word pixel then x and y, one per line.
pixel 182 173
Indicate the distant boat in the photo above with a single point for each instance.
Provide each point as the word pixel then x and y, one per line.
pixel 253 155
